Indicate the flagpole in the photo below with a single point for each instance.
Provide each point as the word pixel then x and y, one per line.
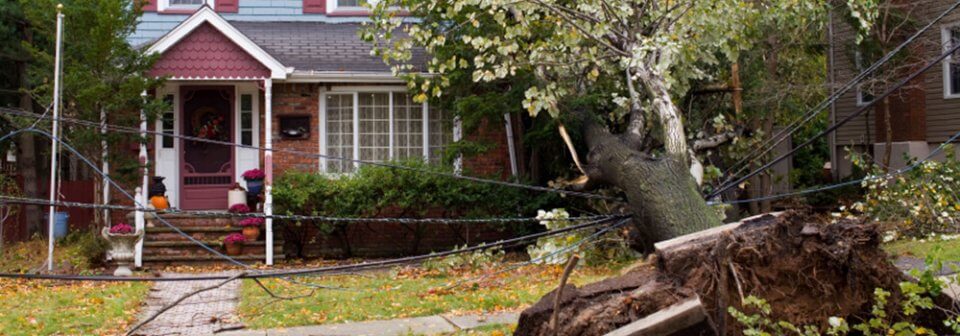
pixel 53 142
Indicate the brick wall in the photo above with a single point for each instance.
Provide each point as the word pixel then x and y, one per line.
pixel 386 239
pixel 496 160
pixel 295 100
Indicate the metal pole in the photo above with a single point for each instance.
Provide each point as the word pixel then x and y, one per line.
pixel 142 190
pixel 53 142
pixel 268 167
pixel 105 165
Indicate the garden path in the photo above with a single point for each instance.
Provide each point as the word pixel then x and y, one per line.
pixel 203 314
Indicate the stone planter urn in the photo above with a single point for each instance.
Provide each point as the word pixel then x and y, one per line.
pixel 121 251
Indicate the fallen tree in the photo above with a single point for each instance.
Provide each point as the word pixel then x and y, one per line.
pixel 808 269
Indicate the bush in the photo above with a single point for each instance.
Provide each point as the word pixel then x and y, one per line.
pixel 922 201
pixel 376 191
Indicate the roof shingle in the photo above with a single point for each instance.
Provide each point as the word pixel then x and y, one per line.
pixel 316 46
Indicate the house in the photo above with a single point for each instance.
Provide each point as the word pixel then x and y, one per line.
pixel 292 75
pixel 924 114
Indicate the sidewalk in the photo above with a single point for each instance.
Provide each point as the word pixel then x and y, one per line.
pixel 429 325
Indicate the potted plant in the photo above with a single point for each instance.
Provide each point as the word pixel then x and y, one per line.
pixel 251 228
pixel 122 239
pixel 254 178
pixel 239 208
pixel 234 244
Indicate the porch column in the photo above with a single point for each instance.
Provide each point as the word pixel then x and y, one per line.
pixel 268 166
pixel 141 197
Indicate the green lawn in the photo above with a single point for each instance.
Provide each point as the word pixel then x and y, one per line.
pixel 949 250
pixel 63 308
pixel 402 293
pixel 45 308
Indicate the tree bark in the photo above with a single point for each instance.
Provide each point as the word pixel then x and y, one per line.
pixel 27 161
pixel 661 193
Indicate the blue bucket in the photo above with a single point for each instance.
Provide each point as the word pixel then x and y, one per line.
pixel 59 223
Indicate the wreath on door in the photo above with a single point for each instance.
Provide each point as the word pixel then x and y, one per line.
pixel 209 124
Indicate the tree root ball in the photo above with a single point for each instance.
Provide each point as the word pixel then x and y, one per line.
pixel 807 268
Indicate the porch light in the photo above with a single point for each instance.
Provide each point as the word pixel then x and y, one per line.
pixel 12 153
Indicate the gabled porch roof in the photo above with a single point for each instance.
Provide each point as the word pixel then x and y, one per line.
pixel 206 46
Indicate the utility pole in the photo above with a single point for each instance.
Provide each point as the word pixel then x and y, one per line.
pixel 55 139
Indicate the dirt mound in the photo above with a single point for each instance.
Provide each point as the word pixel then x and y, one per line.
pixel 807 268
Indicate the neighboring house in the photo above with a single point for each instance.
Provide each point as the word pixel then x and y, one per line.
pixel 923 116
pixel 297 67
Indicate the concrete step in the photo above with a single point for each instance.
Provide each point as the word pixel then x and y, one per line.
pixel 164 248
pixel 203 259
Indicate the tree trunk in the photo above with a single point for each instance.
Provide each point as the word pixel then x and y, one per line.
pixel 661 193
pixel 27 161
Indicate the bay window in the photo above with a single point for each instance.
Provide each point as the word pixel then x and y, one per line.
pixel 380 126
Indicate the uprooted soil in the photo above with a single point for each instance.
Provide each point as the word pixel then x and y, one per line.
pixel 807 268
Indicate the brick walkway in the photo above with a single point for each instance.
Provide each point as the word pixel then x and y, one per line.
pixel 202 314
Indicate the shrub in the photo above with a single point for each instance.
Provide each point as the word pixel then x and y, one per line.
pixel 376 191
pixel 921 200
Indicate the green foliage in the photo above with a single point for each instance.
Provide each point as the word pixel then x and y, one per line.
pixel 922 200
pixel 478 259
pixel 382 191
pixel 102 72
pixel 609 247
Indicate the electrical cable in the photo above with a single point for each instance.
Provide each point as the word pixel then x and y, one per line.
pixel 796 124
pixel 843 121
pixel 124 129
pixel 318 270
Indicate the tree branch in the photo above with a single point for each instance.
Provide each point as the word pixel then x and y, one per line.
pixel 714 141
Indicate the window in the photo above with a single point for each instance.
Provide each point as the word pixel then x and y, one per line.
pixel 951 65
pixel 339 137
pixel 182 4
pixel 168 122
pixel 350 5
pixel 407 126
pixel 246 119
pixel 374 126
pixel 389 126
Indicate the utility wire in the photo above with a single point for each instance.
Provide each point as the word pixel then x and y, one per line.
pixel 852 182
pixel 319 270
pixel 837 125
pixel 221 214
pixel 124 129
pixel 783 134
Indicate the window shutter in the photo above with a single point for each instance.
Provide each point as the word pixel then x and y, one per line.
pixel 226 6
pixel 148 5
pixel 314 6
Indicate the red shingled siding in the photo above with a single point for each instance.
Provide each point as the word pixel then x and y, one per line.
pixel 206 52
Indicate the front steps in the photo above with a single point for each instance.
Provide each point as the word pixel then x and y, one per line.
pixel 163 246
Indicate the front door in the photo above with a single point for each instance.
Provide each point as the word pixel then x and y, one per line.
pixel 206 168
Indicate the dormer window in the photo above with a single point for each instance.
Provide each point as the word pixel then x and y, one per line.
pixel 183 4
pixel 353 6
